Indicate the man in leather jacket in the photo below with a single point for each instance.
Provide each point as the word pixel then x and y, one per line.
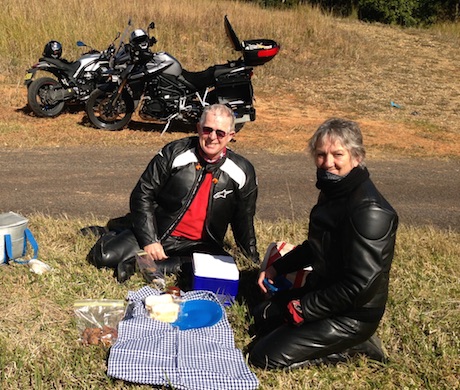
pixel 185 199
pixel 350 247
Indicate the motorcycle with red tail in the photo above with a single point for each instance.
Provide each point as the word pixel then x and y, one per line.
pixel 157 86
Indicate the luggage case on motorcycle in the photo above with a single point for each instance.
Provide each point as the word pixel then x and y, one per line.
pixel 230 86
pixel 259 51
pixel 255 51
pixel 236 87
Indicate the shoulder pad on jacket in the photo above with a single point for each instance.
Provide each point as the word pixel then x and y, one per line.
pixel 235 172
pixel 373 223
pixel 185 158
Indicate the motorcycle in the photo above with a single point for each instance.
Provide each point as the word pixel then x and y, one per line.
pixel 72 82
pixel 156 85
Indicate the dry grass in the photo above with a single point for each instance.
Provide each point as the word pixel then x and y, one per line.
pixel 326 67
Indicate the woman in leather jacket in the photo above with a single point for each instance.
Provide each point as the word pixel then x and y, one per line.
pixel 350 247
pixel 188 195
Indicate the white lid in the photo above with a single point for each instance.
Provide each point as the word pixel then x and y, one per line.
pixel 215 266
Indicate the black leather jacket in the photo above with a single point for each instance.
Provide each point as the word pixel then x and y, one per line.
pixel 169 184
pixel 350 246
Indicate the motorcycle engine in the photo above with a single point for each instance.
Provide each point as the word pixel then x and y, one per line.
pixel 164 101
pixel 85 87
pixel 157 108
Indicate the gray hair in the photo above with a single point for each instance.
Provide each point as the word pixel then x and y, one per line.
pixel 219 110
pixel 345 131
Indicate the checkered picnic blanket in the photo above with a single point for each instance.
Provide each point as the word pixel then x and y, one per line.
pixel 153 352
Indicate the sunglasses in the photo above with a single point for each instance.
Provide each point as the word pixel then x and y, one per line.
pixel 219 133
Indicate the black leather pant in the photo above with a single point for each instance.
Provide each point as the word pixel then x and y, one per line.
pixel 330 340
pixel 113 250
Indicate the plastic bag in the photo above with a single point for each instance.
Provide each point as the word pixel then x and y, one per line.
pixel 150 270
pixel 97 320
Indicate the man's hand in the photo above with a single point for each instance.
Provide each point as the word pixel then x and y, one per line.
pixel 156 251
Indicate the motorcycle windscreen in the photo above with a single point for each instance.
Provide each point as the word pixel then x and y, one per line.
pixel 232 35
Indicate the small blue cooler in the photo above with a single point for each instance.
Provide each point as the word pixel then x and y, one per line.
pixel 216 273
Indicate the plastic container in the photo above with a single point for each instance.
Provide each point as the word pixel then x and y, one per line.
pixel 14 225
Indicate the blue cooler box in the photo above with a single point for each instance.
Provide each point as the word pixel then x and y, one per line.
pixel 216 273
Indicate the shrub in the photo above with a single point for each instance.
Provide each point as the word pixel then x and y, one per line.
pixel 399 12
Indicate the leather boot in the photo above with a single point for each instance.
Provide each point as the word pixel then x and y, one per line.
pixel 372 348
pixel 125 269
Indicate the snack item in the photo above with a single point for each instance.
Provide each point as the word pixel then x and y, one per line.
pixel 97 320
pixel 95 336
pixel 162 307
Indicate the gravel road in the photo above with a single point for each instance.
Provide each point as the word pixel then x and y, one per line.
pixel 96 181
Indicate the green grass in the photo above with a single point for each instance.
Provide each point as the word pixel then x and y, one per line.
pixel 39 347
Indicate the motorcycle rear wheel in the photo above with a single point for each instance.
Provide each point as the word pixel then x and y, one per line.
pixel 38 98
pixel 106 115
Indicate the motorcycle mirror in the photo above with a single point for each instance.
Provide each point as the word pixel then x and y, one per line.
pixel 151 25
pixel 81 44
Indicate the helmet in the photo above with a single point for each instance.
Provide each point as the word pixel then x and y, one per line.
pixel 139 39
pixel 52 49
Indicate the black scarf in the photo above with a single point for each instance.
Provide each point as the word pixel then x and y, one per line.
pixel 336 186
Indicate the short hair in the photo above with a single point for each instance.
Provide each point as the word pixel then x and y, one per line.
pixel 219 110
pixel 345 131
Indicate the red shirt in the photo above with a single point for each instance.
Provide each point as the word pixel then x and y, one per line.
pixel 191 225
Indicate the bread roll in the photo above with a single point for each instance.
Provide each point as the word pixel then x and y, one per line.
pixel 162 307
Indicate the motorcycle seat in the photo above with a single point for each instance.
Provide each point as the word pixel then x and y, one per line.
pixel 199 80
pixel 63 64
pixel 228 68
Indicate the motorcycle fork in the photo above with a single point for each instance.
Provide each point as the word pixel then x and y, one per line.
pixel 119 91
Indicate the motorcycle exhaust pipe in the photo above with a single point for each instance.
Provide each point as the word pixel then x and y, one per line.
pixel 62 94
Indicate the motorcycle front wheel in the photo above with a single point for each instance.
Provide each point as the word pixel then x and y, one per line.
pixel 39 99
pixel 107 111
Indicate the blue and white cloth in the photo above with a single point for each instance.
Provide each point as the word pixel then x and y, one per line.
pixel 152 352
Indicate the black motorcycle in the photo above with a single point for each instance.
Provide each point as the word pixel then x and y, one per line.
pixel 162 91
pixel 70 82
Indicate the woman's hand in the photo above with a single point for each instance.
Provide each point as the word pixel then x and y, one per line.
pixel 156 251
pixel 270 275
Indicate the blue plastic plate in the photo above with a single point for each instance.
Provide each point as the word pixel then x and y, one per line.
pixel 198 314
